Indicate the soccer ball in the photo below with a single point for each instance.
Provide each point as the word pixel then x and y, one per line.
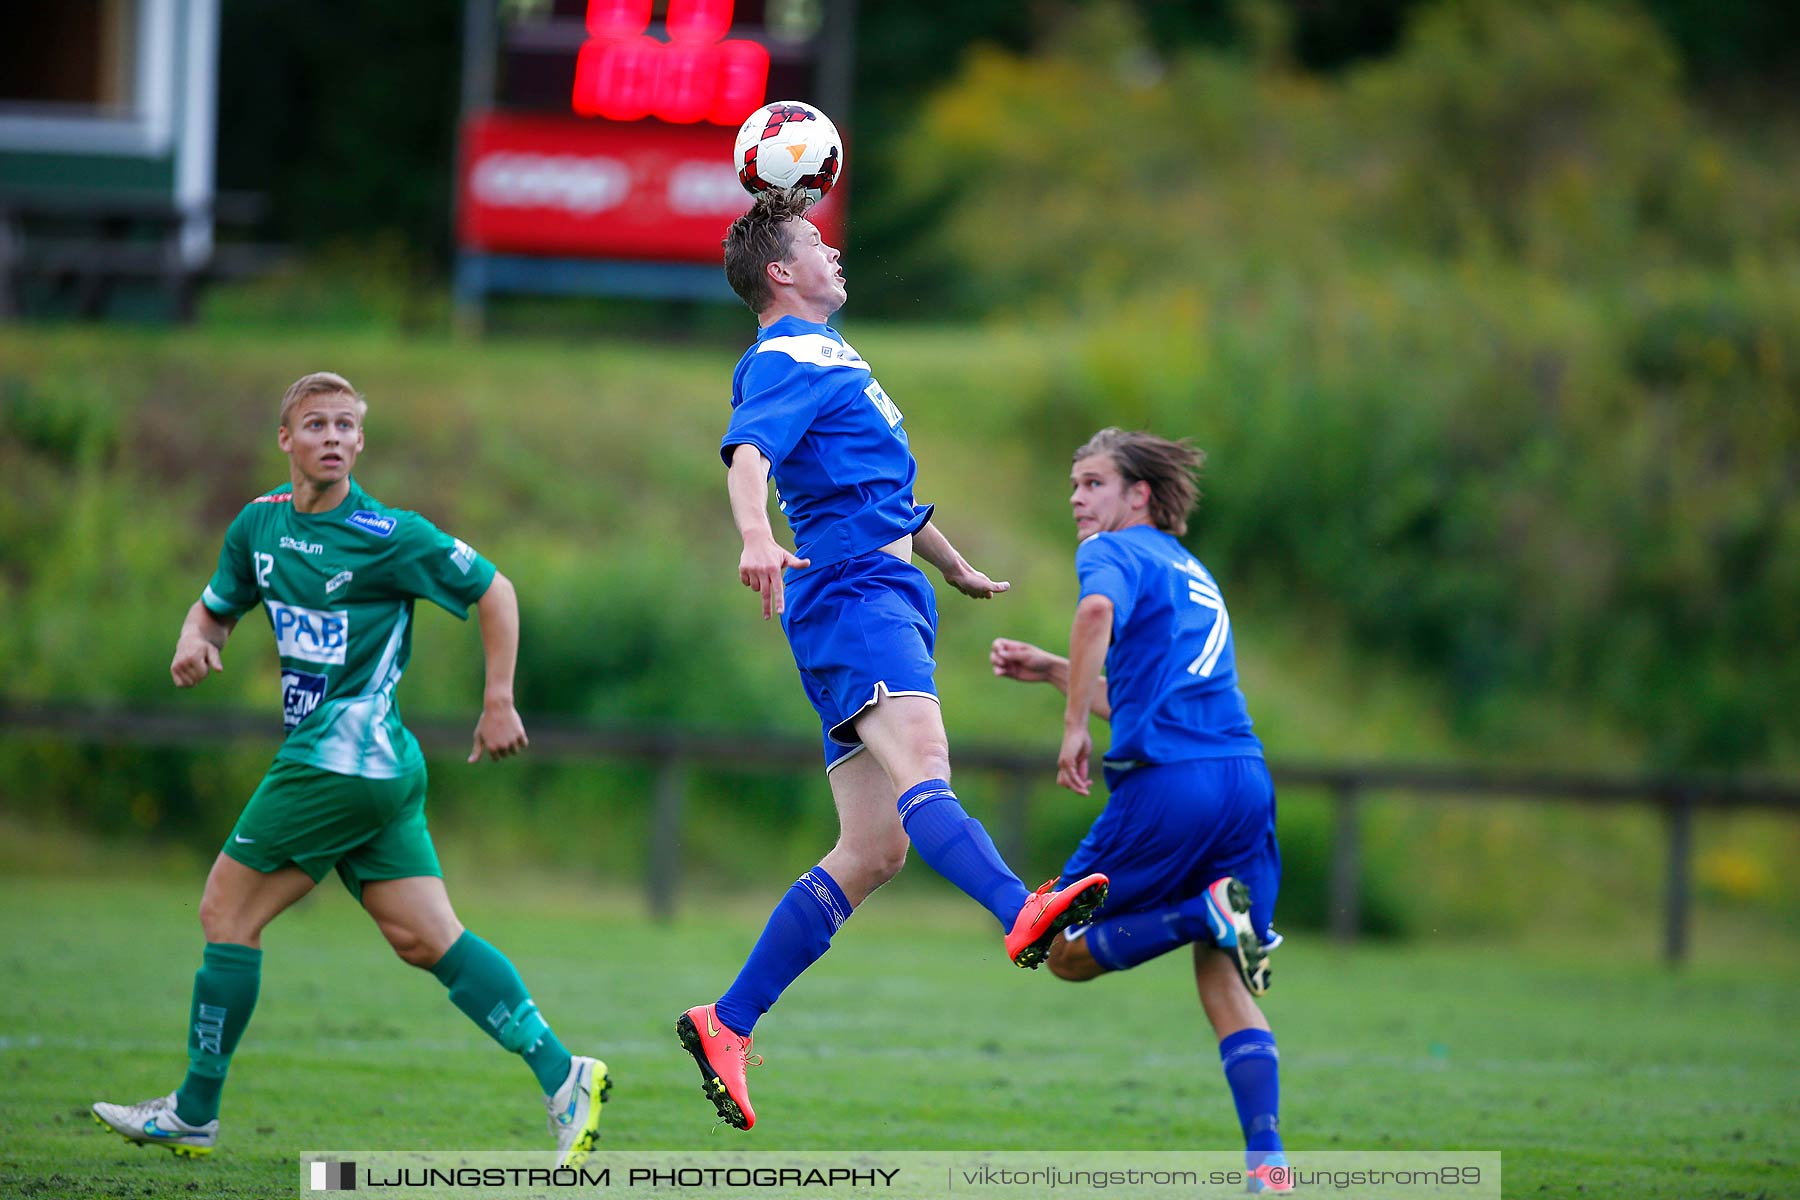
pixel 788 144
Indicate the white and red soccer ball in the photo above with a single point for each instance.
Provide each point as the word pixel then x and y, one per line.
pixel 789 144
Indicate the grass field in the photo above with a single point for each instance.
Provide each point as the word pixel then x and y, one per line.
pixel 1598 1074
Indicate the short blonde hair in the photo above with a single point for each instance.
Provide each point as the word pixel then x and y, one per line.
pixel 320 383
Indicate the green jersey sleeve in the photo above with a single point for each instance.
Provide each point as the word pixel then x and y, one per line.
pixel 232 591
pixel 433 565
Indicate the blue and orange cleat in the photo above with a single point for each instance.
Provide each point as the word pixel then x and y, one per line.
pixel 1048 911
pixel 722 1056
pixel 1228 915
pixel 1272 1175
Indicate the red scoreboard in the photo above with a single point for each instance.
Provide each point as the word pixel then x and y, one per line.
pixel 609 128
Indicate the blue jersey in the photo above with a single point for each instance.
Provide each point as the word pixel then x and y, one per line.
pixel 1171 672
pixel 843 470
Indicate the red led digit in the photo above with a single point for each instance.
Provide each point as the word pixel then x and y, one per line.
pixel 685 78
pixel 626 85
pixel 704 21
pixel 617 18
pixel 742 80
pixel 622 74
pixel 586 98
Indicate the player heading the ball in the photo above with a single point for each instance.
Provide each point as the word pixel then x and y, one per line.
pixel 862 622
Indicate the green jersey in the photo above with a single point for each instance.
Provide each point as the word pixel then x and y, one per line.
pixel 339 588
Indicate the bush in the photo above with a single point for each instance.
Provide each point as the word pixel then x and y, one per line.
pixel 1492 344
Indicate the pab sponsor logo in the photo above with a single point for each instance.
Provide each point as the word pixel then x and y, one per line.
pixel 308 634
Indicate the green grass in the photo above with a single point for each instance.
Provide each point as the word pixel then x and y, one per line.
pixel 1591 1070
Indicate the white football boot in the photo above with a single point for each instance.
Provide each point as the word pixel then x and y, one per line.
pixel 156 1123
pixel 575 1110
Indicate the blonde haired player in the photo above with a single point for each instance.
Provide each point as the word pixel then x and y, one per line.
pixel 337 572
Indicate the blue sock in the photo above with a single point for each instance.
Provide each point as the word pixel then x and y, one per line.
pixel 798 932
pixel 1252 1068
pixel 1118 943
pixel 955 845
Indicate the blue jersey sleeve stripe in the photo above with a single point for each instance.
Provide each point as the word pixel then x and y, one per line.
pixel 813 350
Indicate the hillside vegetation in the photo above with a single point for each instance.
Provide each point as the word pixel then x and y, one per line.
pixel 1493 343
pixel 1496 341
pixel 591 476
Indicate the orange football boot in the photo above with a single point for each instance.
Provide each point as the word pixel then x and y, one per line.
pixel 722 1056
pixel 1046 912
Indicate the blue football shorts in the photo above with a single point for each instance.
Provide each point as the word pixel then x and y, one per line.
pixel 1170 829
pixel 860 629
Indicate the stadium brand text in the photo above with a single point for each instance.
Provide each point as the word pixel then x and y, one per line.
pixel 288 543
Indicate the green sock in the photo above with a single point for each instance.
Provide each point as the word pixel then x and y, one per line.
pixel 484 984
pixel 225 989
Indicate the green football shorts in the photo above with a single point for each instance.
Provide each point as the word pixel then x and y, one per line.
pixel 369 829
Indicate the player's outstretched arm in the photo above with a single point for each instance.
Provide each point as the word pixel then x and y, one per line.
pixel 1089 636
pixel 936 549
pixel 764 559
pixel 1012 659
pixel 499 733
pixel 199 646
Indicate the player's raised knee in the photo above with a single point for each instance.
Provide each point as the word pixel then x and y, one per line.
pixel 874 864
pixel 413 946
pixel 222 920
pixel 215 923
pixel 887 862
pixel 933 751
